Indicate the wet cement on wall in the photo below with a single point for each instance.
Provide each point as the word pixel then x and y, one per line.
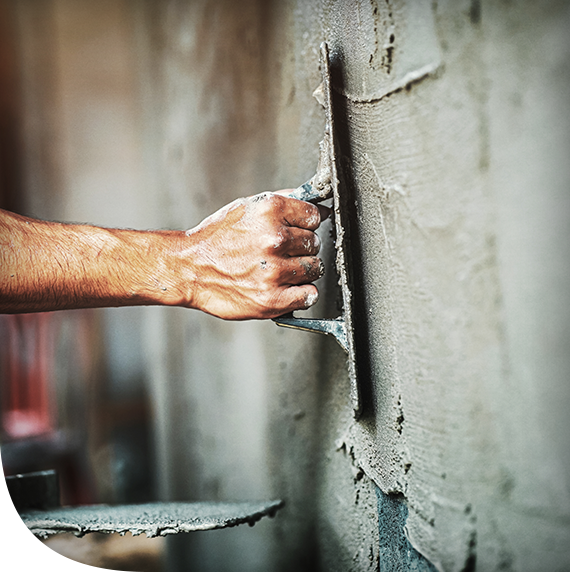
pixel 396 552
pixel 433 173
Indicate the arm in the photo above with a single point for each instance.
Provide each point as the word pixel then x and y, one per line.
pixel 255 258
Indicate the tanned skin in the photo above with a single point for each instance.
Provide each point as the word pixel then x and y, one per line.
pixel 253 259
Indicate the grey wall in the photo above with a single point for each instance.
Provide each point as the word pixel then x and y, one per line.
pixel 461 185
pixel 455 134
pixel 456 117
pixel 456 129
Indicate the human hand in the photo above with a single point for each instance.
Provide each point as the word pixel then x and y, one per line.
pixel 255 258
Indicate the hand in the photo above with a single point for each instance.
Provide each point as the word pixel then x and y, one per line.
pixel 256 258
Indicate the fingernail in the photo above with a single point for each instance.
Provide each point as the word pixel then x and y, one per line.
pixel 321 268
pixel 311 299
pixel 317 242
pixel 314 216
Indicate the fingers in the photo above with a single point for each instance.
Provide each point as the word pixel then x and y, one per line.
pixel 255 258
pixel 325 211
pixel 295 241
pixel 306 269
pixel 300 214
pixel 294 212
pixel 300 270
pixel 297 298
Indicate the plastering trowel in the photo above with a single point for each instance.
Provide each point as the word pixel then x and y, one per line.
pixel 36 497
pixel 323 185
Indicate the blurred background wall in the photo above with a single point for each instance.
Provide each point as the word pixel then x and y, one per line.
pixel 455 129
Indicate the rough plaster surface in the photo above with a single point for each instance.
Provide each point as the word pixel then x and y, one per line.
pixel 447 175
pixel 396 551
pixel 460 202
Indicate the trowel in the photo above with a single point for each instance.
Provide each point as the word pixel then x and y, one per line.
pixel 36 497
pixel 324 185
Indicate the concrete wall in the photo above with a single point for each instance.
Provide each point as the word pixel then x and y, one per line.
pixel 454 120
pixel 461 186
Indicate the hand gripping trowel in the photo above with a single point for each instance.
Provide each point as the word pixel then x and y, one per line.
pixel 323 185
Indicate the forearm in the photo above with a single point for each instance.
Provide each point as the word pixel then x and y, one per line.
pixel 253 259
pixel 50 266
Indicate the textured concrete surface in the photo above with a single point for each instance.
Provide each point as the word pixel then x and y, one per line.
pixel 458 191
pixel 153 519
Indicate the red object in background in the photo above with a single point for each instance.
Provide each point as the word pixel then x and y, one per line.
pixel 27 364
pixel 31 436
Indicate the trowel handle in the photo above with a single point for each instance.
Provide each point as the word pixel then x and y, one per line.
pixel 331 326
pixel 307 192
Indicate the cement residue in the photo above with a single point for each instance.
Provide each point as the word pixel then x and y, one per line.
pixel 448 418
pixel 311 299
pixel 322 180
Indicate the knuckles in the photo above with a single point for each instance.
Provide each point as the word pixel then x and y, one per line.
pixel 267 202
pixel 275 204
pixel 277 239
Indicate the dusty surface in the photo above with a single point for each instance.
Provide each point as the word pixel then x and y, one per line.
pixel 441 205
pixel 450 172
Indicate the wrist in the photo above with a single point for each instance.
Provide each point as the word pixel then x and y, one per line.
pixel 174 277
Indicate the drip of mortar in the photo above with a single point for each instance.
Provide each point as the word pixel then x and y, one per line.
pixel 323 185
